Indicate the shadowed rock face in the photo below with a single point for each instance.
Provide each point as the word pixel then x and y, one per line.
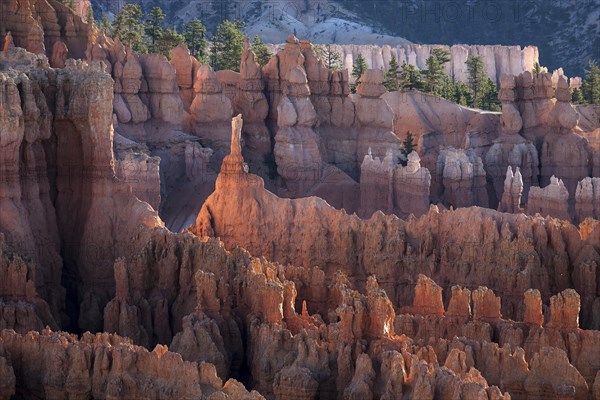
pixel 63 202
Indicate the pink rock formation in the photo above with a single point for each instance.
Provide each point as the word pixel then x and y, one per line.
pixel 8 42
pixel 82 251
pixel 162 97
pixel 392 188
pixel 462 178
pixel 513 188
pixel 460 303
pixel 587 199
pixel 428 298
pixel 21 308
pixel 564 310
pixel 552 200
pixel 533 308
pixel 211 111
pixel 486 305
pixel 297 146
pixel 59 55
pixel 141 172
pixel 553 123
pixel 186 67
pixel 88 203
pixel 59 365
pixel 295 383
pixel 36 25
pixel 540 384
pixel 251 102
pixel 510 149
pixel 371 109
pixel 127 73
pixel 517 240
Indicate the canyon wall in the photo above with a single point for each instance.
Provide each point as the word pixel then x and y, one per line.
pixel 464 303
pixel 62 205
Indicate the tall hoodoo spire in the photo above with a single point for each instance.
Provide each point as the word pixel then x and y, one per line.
pixel 233 163
pixel 236 135
pixel 234 169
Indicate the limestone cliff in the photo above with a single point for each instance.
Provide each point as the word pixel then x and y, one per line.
pixel 515 59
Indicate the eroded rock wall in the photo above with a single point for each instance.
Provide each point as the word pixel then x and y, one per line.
pixel 63 206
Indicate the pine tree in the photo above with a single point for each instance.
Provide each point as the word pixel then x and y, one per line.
pixel 434 75
pixel 577 97
pixel 105 25
pixel 127 27
pixel 227 46
pixel 590 87
pixel 408 146
pixel 476 78
pixel 462 94
pixel 261 51
pixel 194 33
pixel 410 77
pixel 153 27
pixel 168 40
pixel 358 69
pixel 331 59
pixel 489 98
pixel 537 69
pixel 392 79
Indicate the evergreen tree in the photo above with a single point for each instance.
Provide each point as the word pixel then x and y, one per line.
pixel 194 33
pixel 476 78
pixel 168 40
pixel 537 69
pixel 261 51
pixel 590 87
pixel 392 76
pixel 408 146
pixel 489 98
pixel 104 25
pixel 435 75
pixel 153 27
pixel 331 59
pixel 410 77
pixel 577 97
pixel 462 94
pixel 127 28
pixel 227 46
pixel 358 69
